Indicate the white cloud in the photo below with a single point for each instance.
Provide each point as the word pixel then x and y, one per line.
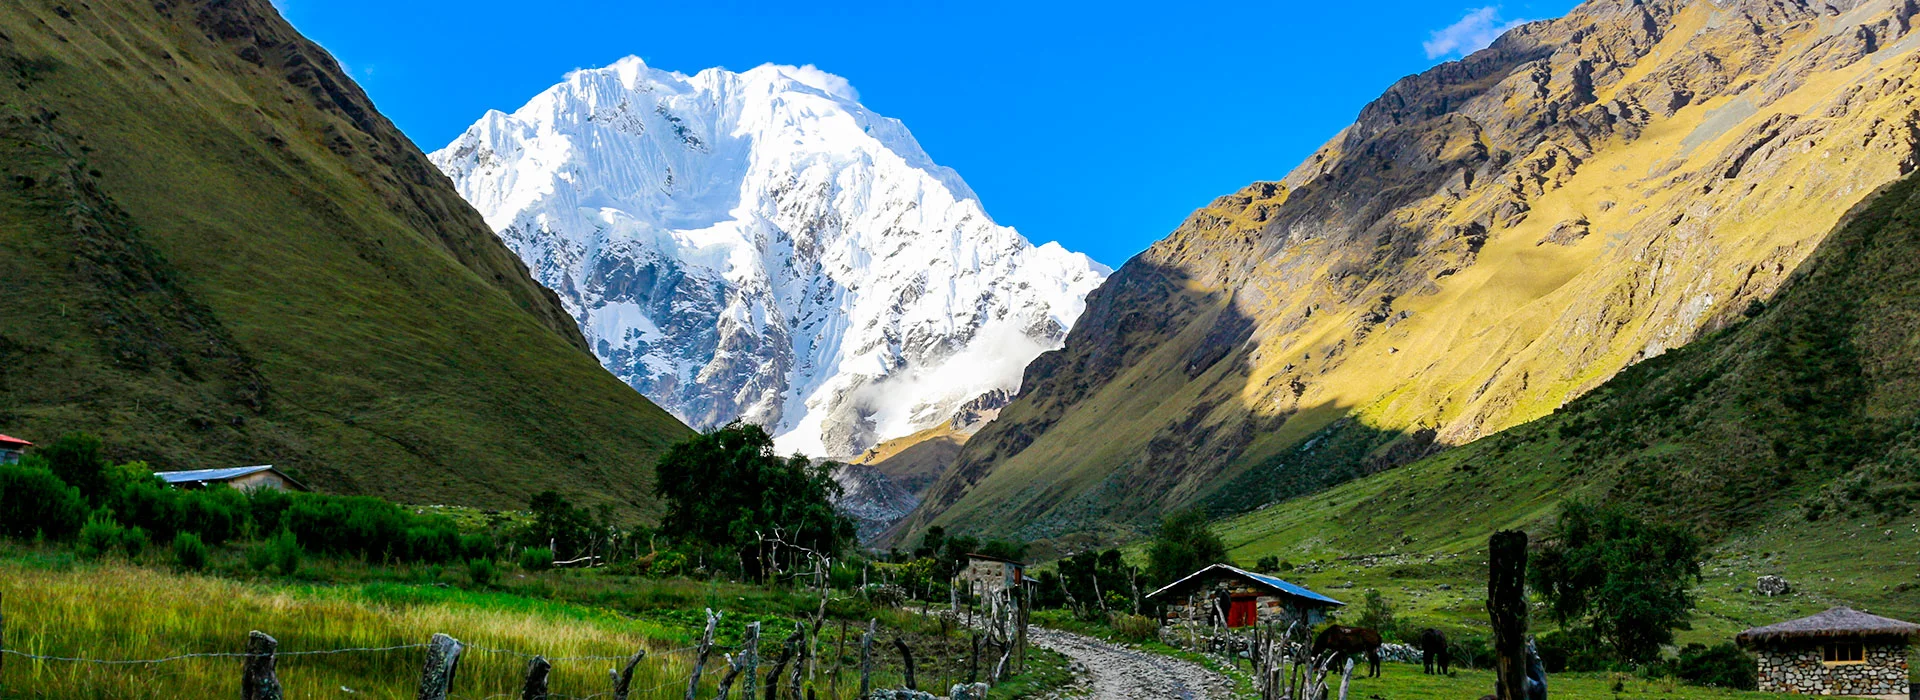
pixel 1472 33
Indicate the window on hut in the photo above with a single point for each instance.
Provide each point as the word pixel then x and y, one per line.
pixel 1844 653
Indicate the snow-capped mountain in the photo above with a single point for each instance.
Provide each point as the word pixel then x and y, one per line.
pixel 758 245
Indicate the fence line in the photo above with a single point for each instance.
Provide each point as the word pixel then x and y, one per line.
pixel 321 652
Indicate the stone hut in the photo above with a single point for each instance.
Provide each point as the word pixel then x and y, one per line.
pixel 986 576
pixel 1242 597
pixel 1838 652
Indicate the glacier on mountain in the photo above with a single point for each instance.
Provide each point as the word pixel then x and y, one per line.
pixel 760 246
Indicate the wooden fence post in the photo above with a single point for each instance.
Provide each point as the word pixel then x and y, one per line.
pixel 706 649
pixel 623 678
pixel 786 653
pixel 749 645
pixel 751 649
pixel 257 681
pixel 443 659
pixel 866 661
pixel 799 641
pixel 537 671
pixel 906 657
pixel 1507 610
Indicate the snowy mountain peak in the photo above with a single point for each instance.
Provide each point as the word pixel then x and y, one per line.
pixel 759 245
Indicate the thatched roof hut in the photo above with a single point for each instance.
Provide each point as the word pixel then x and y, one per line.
pixel 1837 622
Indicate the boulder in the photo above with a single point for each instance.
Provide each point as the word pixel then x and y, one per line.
pixel 1771 586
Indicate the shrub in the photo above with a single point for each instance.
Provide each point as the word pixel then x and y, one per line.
pixel 1133 628
pixel 134 541
pixel 99 536
pixel 284 550
pixel 667 564
pixel 1267 565
pixel 189 551
pixel 536 558
pixel 75 458
pixel 1722 666
pixel 34 502
pixel 260 557
pixel 482 571
pixel 477 545
pixel 1376 613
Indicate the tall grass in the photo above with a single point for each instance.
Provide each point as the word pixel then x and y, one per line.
pixel 59 606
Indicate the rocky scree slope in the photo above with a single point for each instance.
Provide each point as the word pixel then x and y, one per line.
pixel 760 246
pixel 214 251
pixel 1488 240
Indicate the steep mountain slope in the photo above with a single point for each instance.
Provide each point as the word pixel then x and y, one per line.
pixel 214 251
pixel 1792 440
pixel 758 245
pixel 1490 239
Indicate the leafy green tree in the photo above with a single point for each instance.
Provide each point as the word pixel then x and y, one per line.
pixel 76 459
pixel 35 502
pixel 1627 580
pixel 726 489
pixel 1184 545
pixel 1376 613
pixel 560 525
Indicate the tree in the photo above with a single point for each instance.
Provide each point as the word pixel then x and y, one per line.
pixel 1376 613
pixel 75 458
pixel 726 489
pixel 1183 546
pixel 1627 580
pixel 558 524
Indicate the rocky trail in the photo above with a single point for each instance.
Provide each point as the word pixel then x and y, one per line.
pixel 1115 672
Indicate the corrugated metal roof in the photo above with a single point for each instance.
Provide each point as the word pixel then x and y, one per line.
pixel 1283 586
pixel 11 440
pixel 210 474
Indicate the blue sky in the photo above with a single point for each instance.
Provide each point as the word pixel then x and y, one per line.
pixel 1097 124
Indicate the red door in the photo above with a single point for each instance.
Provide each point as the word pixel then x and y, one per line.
pixel 1243 613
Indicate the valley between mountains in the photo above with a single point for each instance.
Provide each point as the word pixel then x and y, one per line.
pixel 661 368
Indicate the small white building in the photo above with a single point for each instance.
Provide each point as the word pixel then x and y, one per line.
pixel 243 478
pixel 985 576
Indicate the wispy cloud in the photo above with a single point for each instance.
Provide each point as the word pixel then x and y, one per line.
pixel 1472 33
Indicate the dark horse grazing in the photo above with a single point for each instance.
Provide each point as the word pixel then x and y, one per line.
pixel 1348 642
pixel 1433 652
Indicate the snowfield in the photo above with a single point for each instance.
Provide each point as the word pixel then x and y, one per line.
pixel 758 245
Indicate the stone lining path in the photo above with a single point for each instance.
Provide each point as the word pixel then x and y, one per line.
pixel 1115 672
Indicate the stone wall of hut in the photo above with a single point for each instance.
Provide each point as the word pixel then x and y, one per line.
pixel 1798 668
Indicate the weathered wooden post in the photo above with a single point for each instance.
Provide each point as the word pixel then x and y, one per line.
pixel 750 650
pixel 738 664
pixel 866 661
pixel 623 678
pixel 443 659
pixel 537 671
pixel 787 649
pixel 906 657
pixel 257 680
pixel 700 660
pixel 973 666
pixel 1507 610
pixel 1346 677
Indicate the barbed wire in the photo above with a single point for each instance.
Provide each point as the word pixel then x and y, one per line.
pixel 202 655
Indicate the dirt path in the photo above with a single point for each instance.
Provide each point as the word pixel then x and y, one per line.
pixel 1115 672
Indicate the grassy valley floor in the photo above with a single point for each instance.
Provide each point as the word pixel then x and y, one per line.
pixel 585 622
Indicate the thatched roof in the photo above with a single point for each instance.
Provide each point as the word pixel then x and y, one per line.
pixel 1837 622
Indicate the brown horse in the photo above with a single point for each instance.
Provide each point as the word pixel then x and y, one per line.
pixel 1348 642
pixel 1434 655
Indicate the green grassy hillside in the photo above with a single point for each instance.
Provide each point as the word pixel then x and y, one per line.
pixel 214 251
pixel 1789 438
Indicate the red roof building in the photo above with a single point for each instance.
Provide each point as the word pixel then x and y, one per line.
pixel 11 448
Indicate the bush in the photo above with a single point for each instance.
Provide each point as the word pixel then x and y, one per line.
pixel 1572 650
pixel 189 551
pixel 1267 565
pixel 260 557
pixel 34 502
pixel 1722 666
pixel 99 536
pixel 667 564
pixel 75 458
pixel 1376 613
pixel 482 572
pixel 134 541
pixel 1133 628
pixel 536 559
pixel 478 545
pixel 284 550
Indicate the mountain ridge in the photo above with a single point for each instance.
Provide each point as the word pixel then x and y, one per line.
pixel 1489 239
pixel 760 246
pixel 216 251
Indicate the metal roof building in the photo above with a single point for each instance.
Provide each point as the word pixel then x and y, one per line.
pixel 243 478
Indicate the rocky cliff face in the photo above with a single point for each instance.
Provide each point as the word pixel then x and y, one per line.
pixel 1488 240
pixel 758 245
